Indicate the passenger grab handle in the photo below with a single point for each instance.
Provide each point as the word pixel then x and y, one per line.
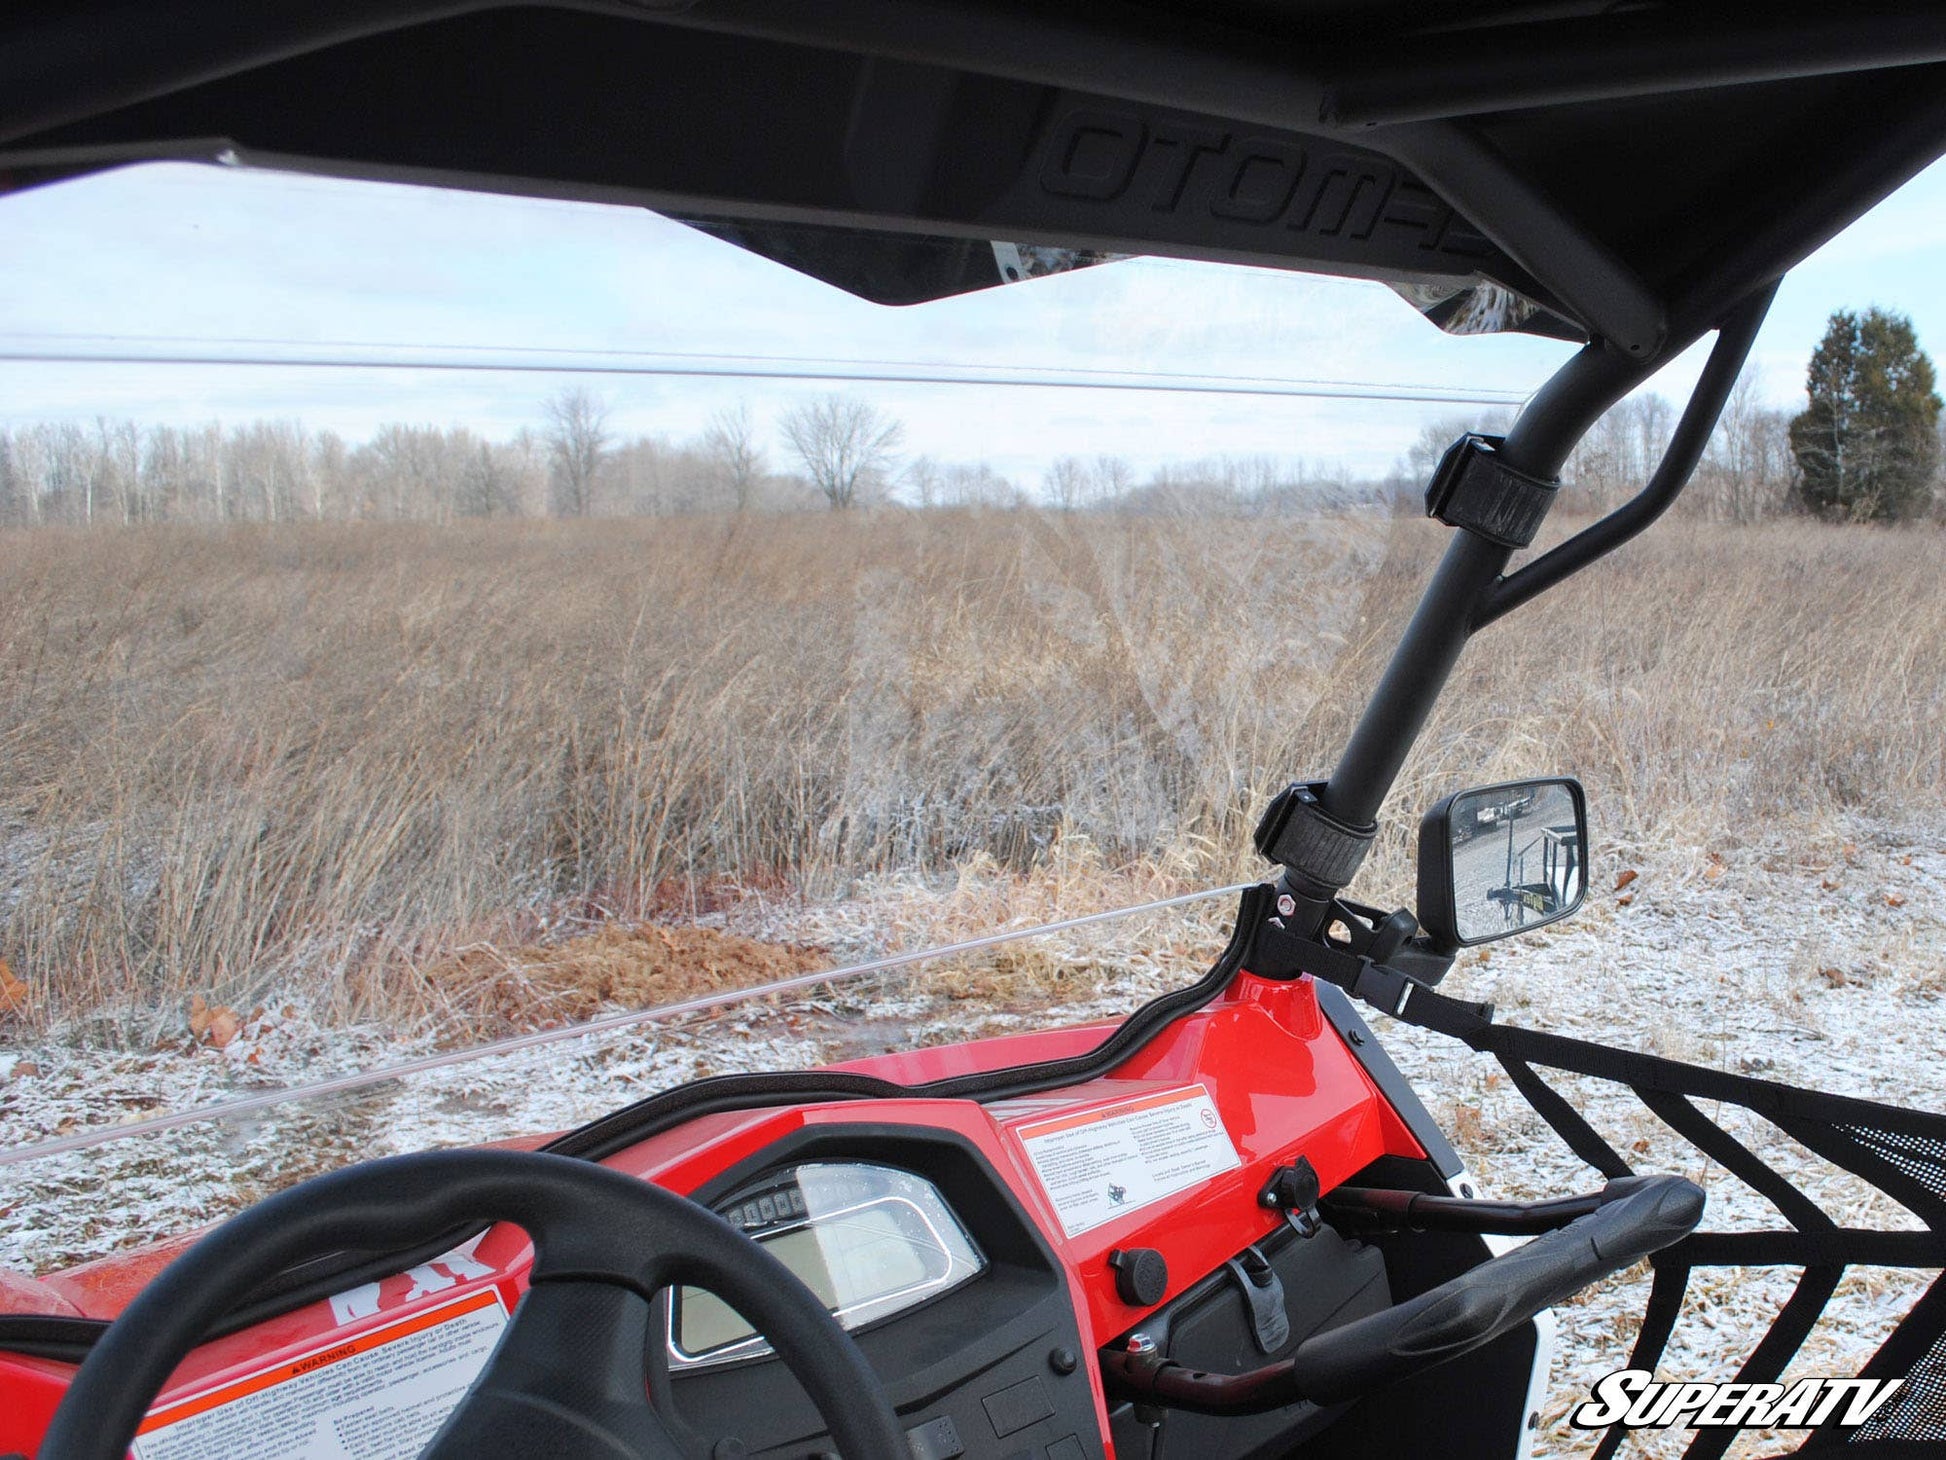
pixel 1357 1211
pixel 1460 1315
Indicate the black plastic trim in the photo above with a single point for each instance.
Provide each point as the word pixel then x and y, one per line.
pixel 1342 1015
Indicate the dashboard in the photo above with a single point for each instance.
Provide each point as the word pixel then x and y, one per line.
pixel 871 1241
pixel 906 1218
pixel 919 1248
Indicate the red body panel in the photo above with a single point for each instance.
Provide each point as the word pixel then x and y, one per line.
pixel 1282 1080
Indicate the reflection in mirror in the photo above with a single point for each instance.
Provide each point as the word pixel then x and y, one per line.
pixel 1516 858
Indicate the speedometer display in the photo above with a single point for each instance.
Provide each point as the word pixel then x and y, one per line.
pixel 869 1240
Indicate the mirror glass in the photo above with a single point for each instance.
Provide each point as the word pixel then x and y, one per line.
pixel 1517 858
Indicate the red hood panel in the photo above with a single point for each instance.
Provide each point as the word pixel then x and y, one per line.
pixel 1279 1079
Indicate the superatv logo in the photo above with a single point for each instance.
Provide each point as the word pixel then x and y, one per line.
pixel 1636 1400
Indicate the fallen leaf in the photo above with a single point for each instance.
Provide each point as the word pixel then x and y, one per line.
pixel 13 992
pixel 1906 860
pixel 1622 879
pixel 1892 899
pixel 212 1024
pixel 1713 871
pixel 1640 1146
pixel 1828 885
pixel 256 1057
pixel 26 1069
pixel 1834 976
pixel 1625 899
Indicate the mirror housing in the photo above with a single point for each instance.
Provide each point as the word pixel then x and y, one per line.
pixel 1500 860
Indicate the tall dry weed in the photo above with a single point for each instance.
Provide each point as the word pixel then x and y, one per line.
pixel 325 753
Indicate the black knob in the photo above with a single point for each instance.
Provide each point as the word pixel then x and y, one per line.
pixel 1141 1275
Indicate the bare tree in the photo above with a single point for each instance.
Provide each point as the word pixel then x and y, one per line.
pixel 975 484
pixel 730 443
pixel 411 472
pixel 847 446
pixel 577 443
pixel 118 458
pixel 922 475
pixel 1067 483
pixel 1114 478
pixel 1746 472
pixel 1619 452
pixel 488 482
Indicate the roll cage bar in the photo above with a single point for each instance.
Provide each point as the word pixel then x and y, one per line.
pixel 1471 588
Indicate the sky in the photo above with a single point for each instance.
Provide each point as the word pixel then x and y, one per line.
pixel 210 253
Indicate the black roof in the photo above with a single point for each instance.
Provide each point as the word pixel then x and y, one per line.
pixel 1617 171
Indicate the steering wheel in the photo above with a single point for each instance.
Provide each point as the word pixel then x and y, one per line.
pixel 568 1379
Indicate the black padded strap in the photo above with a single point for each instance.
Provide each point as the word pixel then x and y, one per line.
pixel 1298 834
pixel 1474 488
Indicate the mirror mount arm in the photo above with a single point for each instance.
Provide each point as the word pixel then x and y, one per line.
pixel 1535 446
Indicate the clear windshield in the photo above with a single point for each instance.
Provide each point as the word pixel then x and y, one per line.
pixel 436 624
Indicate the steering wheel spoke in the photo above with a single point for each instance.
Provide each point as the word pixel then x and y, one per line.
pixel 565 1381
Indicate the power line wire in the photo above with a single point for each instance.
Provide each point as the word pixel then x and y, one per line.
pixel 303 354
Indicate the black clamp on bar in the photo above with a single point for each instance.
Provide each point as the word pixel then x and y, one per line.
pixel 1299 835
pixel 1474 489
pixel 1275 952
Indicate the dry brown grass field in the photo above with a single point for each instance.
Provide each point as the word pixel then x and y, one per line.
pixel 338 757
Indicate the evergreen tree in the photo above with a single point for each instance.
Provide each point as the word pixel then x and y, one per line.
pixel 1867 449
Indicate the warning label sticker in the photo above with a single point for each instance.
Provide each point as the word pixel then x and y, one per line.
pixel 1097 1165
pixel 379 1396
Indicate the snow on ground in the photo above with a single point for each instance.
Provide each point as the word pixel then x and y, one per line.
pixel 1818 962
pixel 1816 959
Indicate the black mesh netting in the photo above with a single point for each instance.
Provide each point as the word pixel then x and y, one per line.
pixel 1901 1153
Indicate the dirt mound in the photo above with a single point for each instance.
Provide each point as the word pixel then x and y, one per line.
pixel 493 990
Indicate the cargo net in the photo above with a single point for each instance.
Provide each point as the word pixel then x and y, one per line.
pixel 1900 1153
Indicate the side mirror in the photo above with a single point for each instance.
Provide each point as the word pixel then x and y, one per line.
pixel 1499 860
